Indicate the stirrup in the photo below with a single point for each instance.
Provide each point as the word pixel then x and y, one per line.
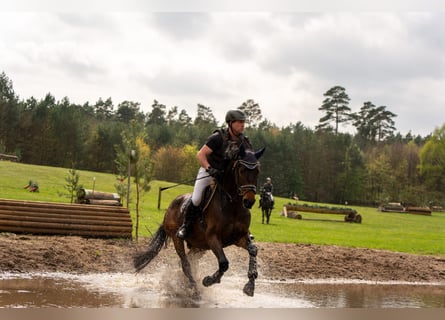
pixel 182 233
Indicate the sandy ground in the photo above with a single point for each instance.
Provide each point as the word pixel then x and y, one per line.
pixel 26 253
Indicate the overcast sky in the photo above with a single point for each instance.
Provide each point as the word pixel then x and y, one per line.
pixel 284 61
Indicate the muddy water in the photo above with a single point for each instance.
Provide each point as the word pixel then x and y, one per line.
pixel 167 291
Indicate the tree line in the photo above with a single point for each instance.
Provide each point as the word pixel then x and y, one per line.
pixel 376 164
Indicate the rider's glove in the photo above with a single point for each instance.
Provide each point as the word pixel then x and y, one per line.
pixel 212 171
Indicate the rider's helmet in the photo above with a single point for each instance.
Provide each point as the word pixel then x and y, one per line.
pixel 268 179
pixel 235 115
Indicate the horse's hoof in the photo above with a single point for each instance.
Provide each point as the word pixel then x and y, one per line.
pixel 249 289
pixel 207 281
pixel 196 296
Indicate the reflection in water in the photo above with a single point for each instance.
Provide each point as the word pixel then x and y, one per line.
pixel 358 295
pixel 154 291
pixel 52 292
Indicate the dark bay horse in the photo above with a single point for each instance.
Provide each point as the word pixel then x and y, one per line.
pixel 266 205
pixel 225 221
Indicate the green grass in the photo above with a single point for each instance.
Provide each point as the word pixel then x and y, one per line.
pixel 390 231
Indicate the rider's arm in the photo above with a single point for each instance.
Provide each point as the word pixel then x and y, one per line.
pixel 202 156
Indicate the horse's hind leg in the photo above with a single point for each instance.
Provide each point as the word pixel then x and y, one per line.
pixel 223 265
pixel 186 268
pixel 193 256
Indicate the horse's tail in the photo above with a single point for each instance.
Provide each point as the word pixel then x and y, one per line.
pixel 143 259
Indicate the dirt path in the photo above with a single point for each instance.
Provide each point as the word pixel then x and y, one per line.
pixel 24 253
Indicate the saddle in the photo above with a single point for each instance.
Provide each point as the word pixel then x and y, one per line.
pixel 207 196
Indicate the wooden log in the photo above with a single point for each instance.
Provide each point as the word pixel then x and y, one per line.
pixel 61 206
pixel 25 211
pixel 72 225
pixel 9 157
pixel 78 232
pixel 418 210
pixel 86 194
pixel 116 203
pixel 19 214
pixel 392 207
pixel 294 215
pixel 303 208
pixel 65 220
pixel 351 215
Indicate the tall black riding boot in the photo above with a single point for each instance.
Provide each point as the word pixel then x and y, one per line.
pixel 190 215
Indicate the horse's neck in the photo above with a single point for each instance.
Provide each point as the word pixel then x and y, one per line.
pixel 229 182
pixel 229 185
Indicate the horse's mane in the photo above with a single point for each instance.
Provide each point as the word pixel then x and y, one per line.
pixel 242 152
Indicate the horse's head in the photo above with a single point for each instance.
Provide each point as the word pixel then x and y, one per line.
pixel 246 169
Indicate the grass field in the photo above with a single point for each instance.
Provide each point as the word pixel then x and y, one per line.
pixel 390 231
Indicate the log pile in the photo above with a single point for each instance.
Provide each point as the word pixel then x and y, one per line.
pixel 33 217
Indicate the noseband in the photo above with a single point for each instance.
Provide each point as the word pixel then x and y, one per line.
pixel 243 189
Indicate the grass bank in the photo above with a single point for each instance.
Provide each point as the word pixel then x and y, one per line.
pixel 390 231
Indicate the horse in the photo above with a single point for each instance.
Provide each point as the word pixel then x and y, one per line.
pixel 266 205
pixel 225 221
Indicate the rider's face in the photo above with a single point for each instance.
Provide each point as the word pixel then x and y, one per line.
pixel 238 127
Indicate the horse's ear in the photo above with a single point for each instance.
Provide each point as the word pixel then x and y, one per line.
pixel 259 153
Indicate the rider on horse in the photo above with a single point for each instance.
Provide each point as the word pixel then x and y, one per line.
pixel 212 157
pixel 268 188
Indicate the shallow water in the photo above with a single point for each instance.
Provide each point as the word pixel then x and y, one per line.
pixel 129 290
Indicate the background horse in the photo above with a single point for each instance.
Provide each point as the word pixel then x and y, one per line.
pixel 225 221
pixel 266 205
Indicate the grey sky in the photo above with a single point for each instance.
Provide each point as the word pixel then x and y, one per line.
pixel 284 61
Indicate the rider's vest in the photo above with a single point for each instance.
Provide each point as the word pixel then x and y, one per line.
pixel 227 149
pixel 267 187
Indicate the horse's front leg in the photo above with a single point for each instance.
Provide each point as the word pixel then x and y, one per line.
pixel 223 264
pixel 252 273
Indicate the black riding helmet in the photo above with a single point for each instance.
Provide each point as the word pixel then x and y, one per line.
pixel 235 115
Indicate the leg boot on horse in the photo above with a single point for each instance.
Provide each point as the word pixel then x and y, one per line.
pixel 191 213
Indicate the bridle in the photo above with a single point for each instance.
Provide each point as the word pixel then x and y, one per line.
pixel 243 189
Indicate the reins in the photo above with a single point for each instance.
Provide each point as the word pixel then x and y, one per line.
pixel 184 182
